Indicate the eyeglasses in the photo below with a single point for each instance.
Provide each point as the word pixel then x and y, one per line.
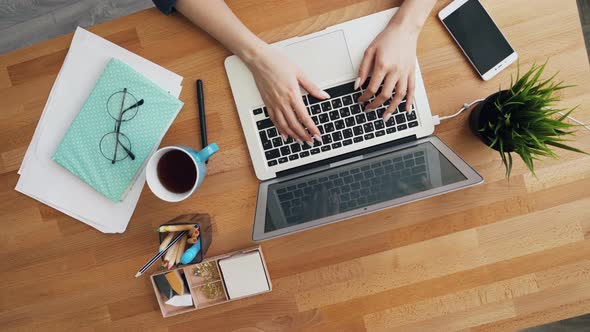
pixel 122 106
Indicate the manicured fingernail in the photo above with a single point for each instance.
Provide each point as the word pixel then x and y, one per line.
pixel 299 141
pixel 318 138
pixel 357 83
pixel 325 95
pixel 387 116
pixel 310 142
pixel 284 137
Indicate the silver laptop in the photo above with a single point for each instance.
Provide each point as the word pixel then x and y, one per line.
pixel 363 164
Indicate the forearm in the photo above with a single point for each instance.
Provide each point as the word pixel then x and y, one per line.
pixel 412 14
pixel 217 19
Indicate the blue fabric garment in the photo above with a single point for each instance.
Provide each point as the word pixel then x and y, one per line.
pixel 165 6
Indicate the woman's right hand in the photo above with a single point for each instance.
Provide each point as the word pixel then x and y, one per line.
pixel 278 81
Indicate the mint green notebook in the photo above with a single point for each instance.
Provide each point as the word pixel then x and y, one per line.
pixel 108 158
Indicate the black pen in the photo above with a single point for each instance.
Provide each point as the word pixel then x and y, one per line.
pixel 160 254
pixel 201 105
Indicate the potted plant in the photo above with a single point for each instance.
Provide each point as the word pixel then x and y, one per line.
pixel 523 119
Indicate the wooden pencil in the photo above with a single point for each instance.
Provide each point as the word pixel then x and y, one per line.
pixel 170 256
pixel 167 240
pixel 158 255
pixel 175 228
pixel 193 236
pixel 181 248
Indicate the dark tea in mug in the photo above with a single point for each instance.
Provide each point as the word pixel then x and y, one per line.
pixel 177 171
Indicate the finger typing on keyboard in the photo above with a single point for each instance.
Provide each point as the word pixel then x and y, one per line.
pixel 339 120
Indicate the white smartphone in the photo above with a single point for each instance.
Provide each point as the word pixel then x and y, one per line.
pixel 478 37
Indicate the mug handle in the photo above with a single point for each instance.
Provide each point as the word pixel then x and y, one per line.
pixel 207 152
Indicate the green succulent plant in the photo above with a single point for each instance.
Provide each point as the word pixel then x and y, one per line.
pixel 526 121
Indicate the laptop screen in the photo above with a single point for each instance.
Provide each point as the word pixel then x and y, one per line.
pixel 358 185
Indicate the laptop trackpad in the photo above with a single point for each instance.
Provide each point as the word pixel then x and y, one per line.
pixel 325 59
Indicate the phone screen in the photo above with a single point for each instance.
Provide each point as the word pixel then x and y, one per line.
pixel 478 36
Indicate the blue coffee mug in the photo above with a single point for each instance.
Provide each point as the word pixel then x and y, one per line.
pixel 198 157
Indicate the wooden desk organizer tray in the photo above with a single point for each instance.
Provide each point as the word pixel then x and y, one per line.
pixel 216 280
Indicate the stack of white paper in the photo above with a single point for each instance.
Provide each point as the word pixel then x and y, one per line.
pixel 46 181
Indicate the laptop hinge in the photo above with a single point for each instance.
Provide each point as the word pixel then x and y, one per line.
pixel 346 156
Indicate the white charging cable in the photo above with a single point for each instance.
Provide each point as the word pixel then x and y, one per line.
pixel 577 121
pixel 437 119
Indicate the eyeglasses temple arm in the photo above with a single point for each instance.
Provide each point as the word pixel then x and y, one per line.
pixel 131 154
pixel 118 126
pixel 139 103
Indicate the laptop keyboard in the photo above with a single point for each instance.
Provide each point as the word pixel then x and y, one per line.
pixel 357 187
pixel 341 121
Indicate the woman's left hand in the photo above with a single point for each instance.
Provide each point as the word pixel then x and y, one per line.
pixel 391 59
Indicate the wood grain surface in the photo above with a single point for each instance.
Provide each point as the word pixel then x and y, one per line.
pixel 500 256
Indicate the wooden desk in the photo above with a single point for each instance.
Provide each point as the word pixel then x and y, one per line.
pixel 499 256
